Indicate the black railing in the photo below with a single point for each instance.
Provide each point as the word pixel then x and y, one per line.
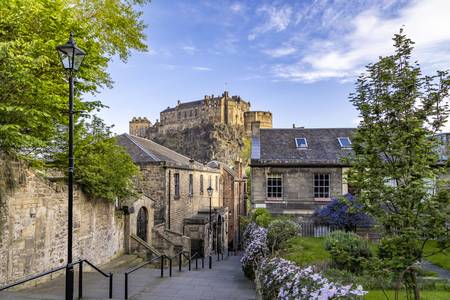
pixel 140 267
pixel 162 259
pixel 80 277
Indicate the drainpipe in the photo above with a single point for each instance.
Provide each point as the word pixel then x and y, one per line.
pixel 168 203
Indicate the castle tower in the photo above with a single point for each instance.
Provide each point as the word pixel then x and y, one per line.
pixel 138 126
pixel 263 117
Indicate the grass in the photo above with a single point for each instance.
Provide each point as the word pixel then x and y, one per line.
pixel 441 259
pixel 306 251
pixel 424 295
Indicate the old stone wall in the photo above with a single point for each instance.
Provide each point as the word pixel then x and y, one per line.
pixel 188 205
pixel 34 232
pixel 298 187
pixel 152 183
pixel 263 117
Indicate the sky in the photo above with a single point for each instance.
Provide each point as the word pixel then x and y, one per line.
pixel 297 59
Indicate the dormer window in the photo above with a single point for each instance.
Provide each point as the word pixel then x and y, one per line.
pixel 345 142
pixel 301 143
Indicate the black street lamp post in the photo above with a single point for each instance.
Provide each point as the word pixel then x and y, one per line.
pixel 71 58
pixel 210 192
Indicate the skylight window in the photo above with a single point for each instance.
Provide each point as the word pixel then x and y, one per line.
pixel 345 142
pixel 301 143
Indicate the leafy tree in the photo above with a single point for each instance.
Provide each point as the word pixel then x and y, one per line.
pixel 394 163
pixel 34 89
pixel 103 168
pixel 345 213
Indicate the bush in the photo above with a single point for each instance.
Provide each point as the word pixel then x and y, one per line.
pixel 261 217
pixel 279 231
pixel 348 250
pixel 344 213
pixel 282 279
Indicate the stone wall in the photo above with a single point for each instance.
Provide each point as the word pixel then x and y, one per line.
pixel 34 230
pixel 263 117
pixel 298 188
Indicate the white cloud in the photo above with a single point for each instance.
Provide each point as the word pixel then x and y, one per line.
pixel 189 49
pixel 199 68
pixel 370 34
pixel 278 19
pixel 279 52
pixel 236 7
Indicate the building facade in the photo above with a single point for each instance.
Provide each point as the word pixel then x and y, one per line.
pixel 178 186
pixel 295 171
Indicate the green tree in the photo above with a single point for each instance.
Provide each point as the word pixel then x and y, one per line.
pixel 33 85
pixel 395 162
pixel 103 168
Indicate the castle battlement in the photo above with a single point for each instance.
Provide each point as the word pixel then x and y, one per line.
pixel 223 109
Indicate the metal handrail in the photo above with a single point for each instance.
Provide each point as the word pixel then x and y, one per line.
pixel 140 266
pixel 80 280
pixel 32 278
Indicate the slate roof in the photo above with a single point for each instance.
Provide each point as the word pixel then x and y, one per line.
pixel 185 105
pixel 277 146
pixel 144 151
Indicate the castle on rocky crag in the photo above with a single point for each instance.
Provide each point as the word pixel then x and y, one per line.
pixel 211 128
pixel 233 111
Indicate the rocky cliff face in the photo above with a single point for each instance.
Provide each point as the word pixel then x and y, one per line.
pixel 207 142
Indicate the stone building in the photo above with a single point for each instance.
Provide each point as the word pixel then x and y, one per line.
pixel 294 171
pixel 234 186
pixel 212 128
pixel 178 185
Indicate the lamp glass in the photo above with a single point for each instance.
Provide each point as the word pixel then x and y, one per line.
pixel 210 191
pixel 71 56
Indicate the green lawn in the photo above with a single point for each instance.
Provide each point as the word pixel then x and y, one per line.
pixel 306 251
pixel 424 295
pixel 441 259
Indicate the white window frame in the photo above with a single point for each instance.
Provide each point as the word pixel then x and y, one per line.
pixel 298 145
pixel 344 137
pixel 274 176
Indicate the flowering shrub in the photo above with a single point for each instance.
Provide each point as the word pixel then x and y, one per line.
pixel 282 279
pixel 345 213
pixel 255 243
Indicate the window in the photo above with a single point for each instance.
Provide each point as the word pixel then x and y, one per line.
pixel 201 184
pixel 176 179
pixel 190 113
pixel 217 183
pixel 179 115
pixel 321 185
pixel 185 114
pixel 274 186
pixel 210 181
pixel 345 142
pixel 191 184
pixel 301 143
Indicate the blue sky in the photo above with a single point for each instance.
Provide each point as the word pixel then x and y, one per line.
pixel 298 59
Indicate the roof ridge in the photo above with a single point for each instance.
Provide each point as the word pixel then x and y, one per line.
pixel 130 137
pixel 163 148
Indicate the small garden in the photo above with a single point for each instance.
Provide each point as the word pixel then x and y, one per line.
pixel 341 265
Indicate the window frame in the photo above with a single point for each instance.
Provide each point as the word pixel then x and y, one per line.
pixel 176 182
pixel 201 184
pixel 298 145
pixel 320 196
pixel 274 195
pixel 349 141
pixel 191 185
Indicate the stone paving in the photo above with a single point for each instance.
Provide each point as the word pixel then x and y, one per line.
pixel 224 281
